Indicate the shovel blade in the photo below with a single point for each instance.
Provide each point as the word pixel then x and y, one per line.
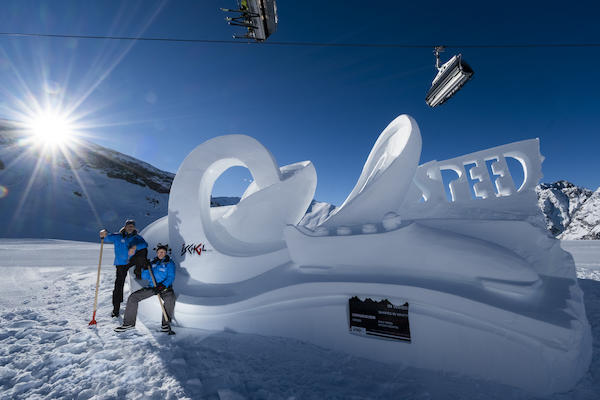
pixel 93 322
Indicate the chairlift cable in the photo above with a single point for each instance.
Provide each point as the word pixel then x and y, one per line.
pixel 305 44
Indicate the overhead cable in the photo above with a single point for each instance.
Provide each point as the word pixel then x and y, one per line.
pixel 305 44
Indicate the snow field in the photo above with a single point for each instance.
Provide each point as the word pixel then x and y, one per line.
pixel 48 352
pixel 587 258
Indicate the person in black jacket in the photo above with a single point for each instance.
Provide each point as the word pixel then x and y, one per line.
pixel 130 249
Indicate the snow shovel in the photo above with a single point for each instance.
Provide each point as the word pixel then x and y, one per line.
pixel 93 322
pixel 162 306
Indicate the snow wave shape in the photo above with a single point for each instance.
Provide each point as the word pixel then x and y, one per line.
pixel 386 175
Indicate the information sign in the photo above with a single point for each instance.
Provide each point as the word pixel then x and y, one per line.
pixel 379 318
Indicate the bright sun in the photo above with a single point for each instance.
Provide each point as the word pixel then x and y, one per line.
pixel 51 128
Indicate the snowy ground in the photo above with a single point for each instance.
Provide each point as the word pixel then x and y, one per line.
pixel 48 352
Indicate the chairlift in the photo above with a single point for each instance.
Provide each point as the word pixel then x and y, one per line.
pixel 259 17
pixel 450 78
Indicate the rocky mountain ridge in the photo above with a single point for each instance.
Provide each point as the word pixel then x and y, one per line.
pixel 571 212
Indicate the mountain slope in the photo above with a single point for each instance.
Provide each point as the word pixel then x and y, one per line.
pixel 585 222
pixel 317 212
pixel 73 195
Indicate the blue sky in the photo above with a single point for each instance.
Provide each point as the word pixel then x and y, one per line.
pixel 157 101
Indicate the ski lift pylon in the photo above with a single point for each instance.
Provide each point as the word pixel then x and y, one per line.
pixel 450 78
pixel 259 17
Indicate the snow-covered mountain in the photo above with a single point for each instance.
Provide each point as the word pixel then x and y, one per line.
pixel 73 194
pixel 317 212
pixel 571 212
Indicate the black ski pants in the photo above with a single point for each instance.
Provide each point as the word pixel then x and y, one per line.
pixel 139 259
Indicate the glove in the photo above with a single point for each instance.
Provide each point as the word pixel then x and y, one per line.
pixel 159 288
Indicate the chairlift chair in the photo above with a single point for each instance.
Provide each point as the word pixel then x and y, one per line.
pixel 259 17
pixel 450 78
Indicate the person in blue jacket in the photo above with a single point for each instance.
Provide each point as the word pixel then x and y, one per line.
pixel 130 249
pixel 163 269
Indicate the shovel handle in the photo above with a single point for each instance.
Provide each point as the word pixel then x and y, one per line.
pixel 93 321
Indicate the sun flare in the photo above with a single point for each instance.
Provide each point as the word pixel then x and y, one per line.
pixel 51 128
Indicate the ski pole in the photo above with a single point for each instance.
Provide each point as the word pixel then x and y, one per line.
pixel 162 306
pixel 93 321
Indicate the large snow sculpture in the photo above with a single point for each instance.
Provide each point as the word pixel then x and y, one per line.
pixel 398 273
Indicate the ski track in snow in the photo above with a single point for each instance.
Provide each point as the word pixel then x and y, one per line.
pixel 48 352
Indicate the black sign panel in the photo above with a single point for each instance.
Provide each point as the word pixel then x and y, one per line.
pixel 379 318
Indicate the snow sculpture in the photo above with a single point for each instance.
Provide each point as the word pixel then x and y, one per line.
pixel 245 239
pixel 427 183
pixel 385 177
pixel 399 273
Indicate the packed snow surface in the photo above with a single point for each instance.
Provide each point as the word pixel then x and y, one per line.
pixel 48 352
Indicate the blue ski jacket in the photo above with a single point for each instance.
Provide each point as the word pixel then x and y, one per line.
pixel 163 271
pixel 123 242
